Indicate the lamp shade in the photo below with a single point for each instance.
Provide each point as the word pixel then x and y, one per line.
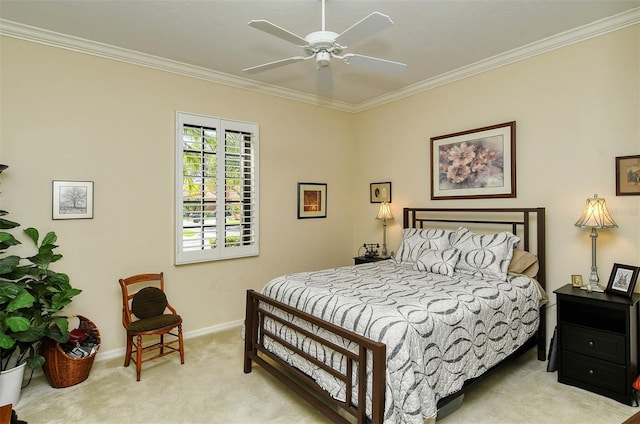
pixel 595 215
pixel 385 211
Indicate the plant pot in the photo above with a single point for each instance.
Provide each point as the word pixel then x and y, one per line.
pixel 11 385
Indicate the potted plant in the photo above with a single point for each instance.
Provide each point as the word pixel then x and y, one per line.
pixel 31 296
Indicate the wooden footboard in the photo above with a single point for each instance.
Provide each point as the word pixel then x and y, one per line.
pixel 302 384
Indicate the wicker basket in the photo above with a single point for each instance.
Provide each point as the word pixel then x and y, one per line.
pixel 63 370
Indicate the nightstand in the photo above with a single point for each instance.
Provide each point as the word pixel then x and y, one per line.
pixel 598 342
pixel 362 260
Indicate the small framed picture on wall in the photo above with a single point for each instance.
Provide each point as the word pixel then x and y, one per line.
pixel 72 200
pixel 380 192
pixel 628 175
pixel 312 200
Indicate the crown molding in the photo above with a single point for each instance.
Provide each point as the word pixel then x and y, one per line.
pixel 55 39
pixel 81 45
pixel 576 35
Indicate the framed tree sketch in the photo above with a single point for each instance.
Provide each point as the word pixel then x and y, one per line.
pixel 474 164
pixel 312 200
pixel 72 199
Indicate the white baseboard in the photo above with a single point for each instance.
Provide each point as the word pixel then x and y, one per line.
pixel 119 353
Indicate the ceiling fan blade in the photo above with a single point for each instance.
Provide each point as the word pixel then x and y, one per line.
pixel 381 65
pixel 277 31
pixel 364 28
pixel 272 65
pixel 325 79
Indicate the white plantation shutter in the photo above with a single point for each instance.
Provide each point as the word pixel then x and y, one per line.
pixel 216 189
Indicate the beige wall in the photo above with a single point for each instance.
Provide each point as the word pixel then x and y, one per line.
pixel 575 108
pixel 70 116
pixel 66 115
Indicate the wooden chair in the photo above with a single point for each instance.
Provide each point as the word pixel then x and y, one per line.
pixel 148 304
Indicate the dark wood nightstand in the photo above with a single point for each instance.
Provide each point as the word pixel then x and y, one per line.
pixel 598 342
pixel 362 260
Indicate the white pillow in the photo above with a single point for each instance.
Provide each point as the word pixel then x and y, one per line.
pixel 439 262
pixel 415 240
pixel 486 256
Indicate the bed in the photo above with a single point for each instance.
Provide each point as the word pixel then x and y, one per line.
pixel 394 341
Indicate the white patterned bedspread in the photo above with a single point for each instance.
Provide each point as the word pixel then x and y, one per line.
pixel 439 330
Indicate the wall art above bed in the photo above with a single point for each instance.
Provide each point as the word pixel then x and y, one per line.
pixel 474 164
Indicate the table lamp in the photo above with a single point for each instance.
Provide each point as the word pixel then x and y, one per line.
pixel 384 213
pixel 595 215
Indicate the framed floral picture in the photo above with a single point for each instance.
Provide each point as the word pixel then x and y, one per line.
pixel 474 164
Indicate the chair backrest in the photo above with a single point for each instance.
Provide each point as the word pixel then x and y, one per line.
pixel 144 301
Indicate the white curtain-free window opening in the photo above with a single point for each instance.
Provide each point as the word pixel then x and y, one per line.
pixel 216 189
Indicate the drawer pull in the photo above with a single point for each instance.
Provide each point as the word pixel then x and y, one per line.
pixel 591 372
pixel 591 343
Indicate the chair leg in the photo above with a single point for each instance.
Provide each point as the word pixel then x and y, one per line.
pixel 138 357
pixel 127 357
pixel 180 344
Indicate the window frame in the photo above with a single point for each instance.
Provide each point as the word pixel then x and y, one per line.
pixel 220 251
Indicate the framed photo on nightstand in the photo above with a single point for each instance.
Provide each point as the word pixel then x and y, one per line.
pixel 622 280
pixel 576 280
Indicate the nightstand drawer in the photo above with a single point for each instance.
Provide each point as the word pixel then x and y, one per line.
pixel 594 343
pixel 593 371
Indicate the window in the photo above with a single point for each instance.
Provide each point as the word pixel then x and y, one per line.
pixel 216 189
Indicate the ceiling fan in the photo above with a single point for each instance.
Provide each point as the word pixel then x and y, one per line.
pixel 324 45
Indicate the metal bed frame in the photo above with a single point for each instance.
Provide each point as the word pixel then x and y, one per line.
pixel 520 221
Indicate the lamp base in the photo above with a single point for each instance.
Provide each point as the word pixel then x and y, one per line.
pixel 597 289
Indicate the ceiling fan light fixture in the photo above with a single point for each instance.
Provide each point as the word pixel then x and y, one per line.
pixel 323 58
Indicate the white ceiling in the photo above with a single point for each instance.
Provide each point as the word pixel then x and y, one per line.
pixel 439 40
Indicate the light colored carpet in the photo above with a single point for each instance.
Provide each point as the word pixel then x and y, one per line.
pixel 211 388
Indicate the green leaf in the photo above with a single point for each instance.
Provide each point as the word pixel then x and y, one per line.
pixel 7 240
pixel 62 299
pixel 22 300
pixel 50 239
pixel 5 224
pixel 33 234
pixel 35 361
pixel 33 334
pixel 61 324
pixel 18 324
pixel 60 331
pixel 6 342
pixel 8 291
pixel 8 264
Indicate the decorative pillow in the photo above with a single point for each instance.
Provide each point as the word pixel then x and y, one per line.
pixel 521 261
pixel 532 271
pixel 486 256
pixel 148 303
pixel 415 240
pixel 439 262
